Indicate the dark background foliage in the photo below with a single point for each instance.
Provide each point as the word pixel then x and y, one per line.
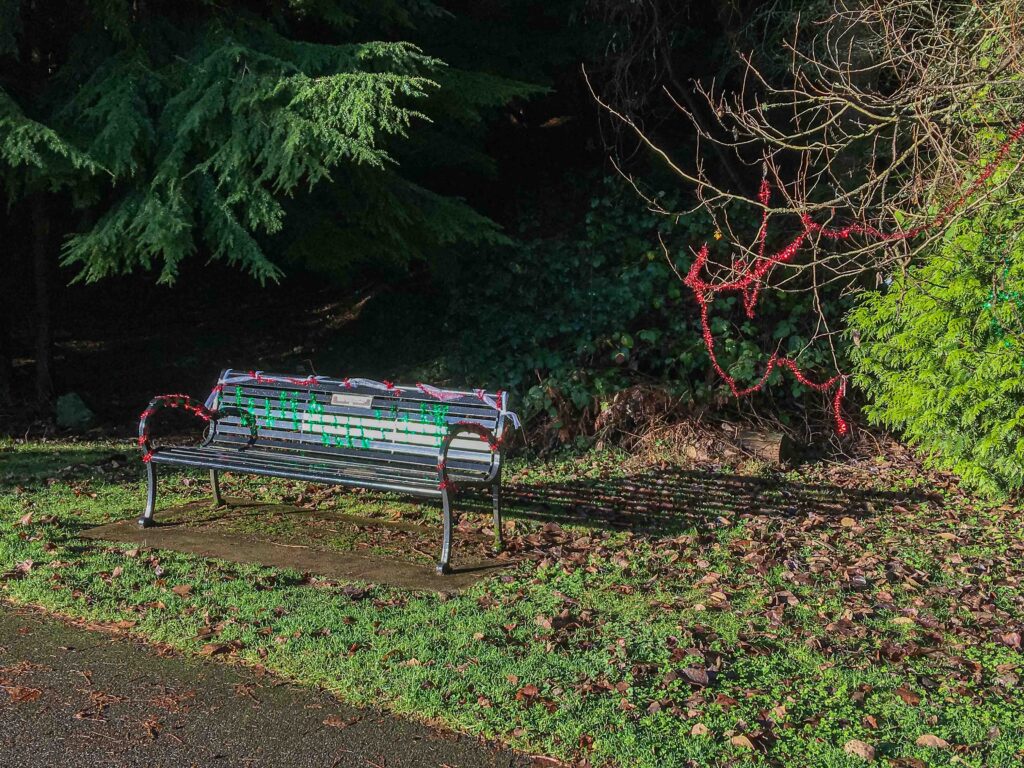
pixel 439 173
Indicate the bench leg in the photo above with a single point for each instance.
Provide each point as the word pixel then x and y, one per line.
pixel 147 517
pixel 499 542
pixel 215 486
pixel 446 540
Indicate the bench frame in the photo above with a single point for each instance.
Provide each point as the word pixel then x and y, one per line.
pixel 446 488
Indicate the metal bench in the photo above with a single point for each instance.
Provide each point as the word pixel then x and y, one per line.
pixel 418 440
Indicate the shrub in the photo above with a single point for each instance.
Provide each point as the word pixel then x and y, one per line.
pixel 571 319
pixel 939 351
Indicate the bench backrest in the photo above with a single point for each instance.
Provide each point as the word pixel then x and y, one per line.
pixel 361 420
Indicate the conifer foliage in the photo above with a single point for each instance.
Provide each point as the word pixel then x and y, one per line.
pixel 136 134
pixel 939 350
pixel 181 125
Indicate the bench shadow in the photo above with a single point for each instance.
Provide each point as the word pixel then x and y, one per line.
pixel 670 501
pixel 663 503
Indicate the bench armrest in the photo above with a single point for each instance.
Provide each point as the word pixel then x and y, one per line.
pixel 229 410
pixel 467 427
pixel 186 403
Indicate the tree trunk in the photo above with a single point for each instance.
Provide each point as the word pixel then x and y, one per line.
pixel 6 295
pixel 41 269
pixel 6 346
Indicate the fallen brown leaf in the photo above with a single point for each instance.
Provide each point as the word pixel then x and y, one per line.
pixel 527 693
pixel 931 741
pixel 860 749
pixel 214 649
pixel 335 721
pixel 22 695
pixel 697 676
pixel 908 696
pixel 742 741
pixel 152 726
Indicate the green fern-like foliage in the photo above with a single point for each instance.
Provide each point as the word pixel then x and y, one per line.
pixel 186 127
pixel 941 351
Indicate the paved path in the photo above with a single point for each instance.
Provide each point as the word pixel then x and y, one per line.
pixel 71 697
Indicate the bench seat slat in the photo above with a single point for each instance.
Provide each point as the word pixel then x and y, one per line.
pixel 379 398
pixel 469 402
pixel 201 454
pixel 356 457
pixel 229 462
pixel 262 408
pixel 303 400
pixel 379 451
pixel 415 462
pixel 383 434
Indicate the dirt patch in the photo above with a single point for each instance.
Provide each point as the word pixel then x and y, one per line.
pixel 325 543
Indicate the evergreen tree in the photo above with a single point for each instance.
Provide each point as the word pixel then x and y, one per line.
pixel 173 128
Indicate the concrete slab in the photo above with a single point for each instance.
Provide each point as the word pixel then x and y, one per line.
pixel 197 529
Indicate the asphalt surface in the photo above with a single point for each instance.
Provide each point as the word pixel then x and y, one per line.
pixel 72 697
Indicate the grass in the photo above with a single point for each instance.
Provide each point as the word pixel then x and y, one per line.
pixel 749 622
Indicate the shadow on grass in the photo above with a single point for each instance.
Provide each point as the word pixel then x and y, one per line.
pixel 662 502
pixel 34 466
pixel 671 501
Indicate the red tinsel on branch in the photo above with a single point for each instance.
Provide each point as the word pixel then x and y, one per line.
pixel 750 278
pixel 704 293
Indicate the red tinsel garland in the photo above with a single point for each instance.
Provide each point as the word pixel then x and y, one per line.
pixel 481 432
pixel 749 281
pixel 496 401
pixel 168 401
